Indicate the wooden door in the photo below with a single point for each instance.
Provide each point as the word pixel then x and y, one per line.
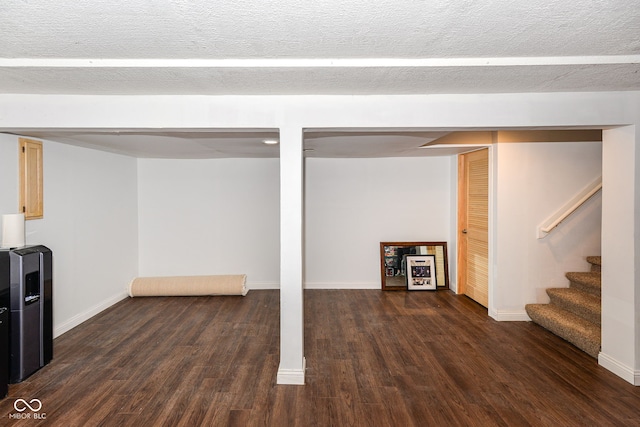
pixel 473 225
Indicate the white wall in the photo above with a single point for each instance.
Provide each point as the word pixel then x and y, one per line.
pixel 206 216
pixel 212 216
pixel 533 181
pixel 453 226
pixel 8 174
pixel 354 204
pixel 89 223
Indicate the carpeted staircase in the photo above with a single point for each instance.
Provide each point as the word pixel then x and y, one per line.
pixel 574 312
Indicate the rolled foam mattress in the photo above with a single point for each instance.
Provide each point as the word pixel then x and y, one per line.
pixel 188 286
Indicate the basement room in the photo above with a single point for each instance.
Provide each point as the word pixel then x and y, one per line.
pixel 356 215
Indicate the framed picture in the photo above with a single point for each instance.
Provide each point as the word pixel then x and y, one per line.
pixel 421 272
pixel 393 263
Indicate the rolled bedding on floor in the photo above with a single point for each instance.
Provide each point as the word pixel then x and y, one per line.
pixel 188 286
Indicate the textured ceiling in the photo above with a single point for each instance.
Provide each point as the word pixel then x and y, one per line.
pixel 326 28
pixel 226 144
pixel 385 46
pixel 316 47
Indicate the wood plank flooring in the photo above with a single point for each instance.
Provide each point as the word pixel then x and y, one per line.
pixel 373 359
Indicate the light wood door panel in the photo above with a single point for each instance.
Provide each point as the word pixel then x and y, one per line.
pixel 473 226
pixel 31 178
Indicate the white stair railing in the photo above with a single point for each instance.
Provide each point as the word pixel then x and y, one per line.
pixel 563 213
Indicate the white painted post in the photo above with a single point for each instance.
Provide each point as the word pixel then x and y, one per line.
pixel 620 351
pixel 292 362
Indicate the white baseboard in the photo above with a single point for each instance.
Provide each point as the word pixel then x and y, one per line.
pixel 88 314
pixel 620 369
pixel 317 285
pixel 292 376
pixel 511 316
pixel 334 285
pixel 262 285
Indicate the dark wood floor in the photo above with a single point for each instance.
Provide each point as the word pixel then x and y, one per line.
pixel 373 359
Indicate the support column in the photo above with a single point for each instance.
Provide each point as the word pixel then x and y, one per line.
pixel 292 362
pixel 620 351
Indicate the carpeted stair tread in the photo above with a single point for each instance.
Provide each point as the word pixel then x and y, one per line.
pixel 586 281
pixel 577 302
pixel 596 262
pixel 573 328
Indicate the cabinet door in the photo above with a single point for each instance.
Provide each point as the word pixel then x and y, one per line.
pixel 31 181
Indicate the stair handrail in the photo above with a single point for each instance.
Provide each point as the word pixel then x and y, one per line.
pixel 563 213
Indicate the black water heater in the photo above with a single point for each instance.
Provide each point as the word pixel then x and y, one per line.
pixel 31 305
pixel 4 324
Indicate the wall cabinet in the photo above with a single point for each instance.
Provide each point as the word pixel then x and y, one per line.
pixel 31 180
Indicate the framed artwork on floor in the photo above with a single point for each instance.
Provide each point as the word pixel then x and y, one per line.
pixel 421 272
pixel 393 263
